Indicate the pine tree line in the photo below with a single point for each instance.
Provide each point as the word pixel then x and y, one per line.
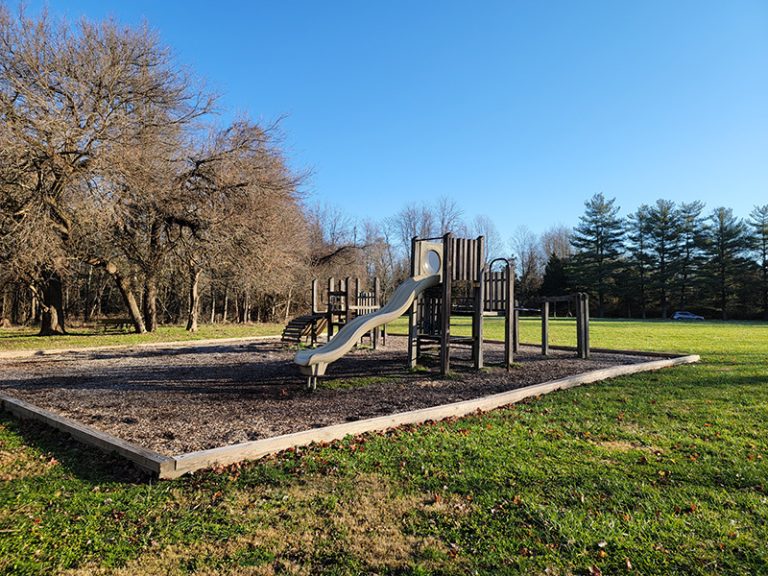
pixel 665 257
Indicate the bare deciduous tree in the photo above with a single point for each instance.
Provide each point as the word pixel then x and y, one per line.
pixel 529 262
pixel 71 98
pixel 494 246
pixel 556 240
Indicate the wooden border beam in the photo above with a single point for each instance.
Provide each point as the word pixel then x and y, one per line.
pixel 167 467
pixel 226 455
pixel 145 459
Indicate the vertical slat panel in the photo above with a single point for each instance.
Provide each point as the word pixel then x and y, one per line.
pixel 471 245
pixel 467 259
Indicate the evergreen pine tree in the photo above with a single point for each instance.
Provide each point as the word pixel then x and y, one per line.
pixel 664 235
pixel 555 279
pixel 692 240
pixel 598 243
pixel 638 245
pixel 758 222
pixel 725 249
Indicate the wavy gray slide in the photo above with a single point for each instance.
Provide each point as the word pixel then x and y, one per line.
pixel 313 362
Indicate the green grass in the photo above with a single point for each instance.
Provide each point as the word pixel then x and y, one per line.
pixel 659 473
pixel 650 335
pixel 27 338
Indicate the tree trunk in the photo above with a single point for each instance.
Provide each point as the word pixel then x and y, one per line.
pixel 87 296
pixel 213 304
pixel 5 315
pixel 130 302
pixel 125 291
pixel 765 287
pixel 34 310
pixel 52 304
pixel 194 297
pixel 600 304
pixel 288 305
pixel 150 303
pixel 226 305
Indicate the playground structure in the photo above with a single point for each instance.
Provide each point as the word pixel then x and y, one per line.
pixel 469 287
pixel 449 277
pixel 441 268
pixel 342 303
pixel 581 303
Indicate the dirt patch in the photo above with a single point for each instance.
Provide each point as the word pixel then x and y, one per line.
pixel 624 446
pixel 179 400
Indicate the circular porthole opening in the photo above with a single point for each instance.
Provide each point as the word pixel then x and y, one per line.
pixel 431 263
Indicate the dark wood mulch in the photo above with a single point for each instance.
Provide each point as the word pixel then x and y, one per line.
pixel 175 400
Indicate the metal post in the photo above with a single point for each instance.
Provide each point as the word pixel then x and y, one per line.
pixel 545 328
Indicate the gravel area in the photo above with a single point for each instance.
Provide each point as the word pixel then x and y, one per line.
pixel 176 400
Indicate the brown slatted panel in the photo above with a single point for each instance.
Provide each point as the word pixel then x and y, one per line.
pixel 472 253
pixel 456 259
pixel 468 260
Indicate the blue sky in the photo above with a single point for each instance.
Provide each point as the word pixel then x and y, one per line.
pixel 520 110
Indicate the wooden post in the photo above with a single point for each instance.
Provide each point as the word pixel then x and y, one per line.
pixel 331 286
pixel 579 326
pixel 510 330
pixel 347 300
pixel 585 322
pixel 515 326
pixel 477 320
pixel 314 296
pixel 413 329
pixel 480 273
pixel 376 302
pixel 356 300
pixel 545 328
pixel 445 328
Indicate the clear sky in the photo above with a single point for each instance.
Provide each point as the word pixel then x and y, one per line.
pixel 520 110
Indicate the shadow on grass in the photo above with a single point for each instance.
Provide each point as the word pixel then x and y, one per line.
pixel 85 462
pixel 48 339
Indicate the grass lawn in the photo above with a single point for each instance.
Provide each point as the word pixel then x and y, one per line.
pixel 659 473
pixel 27 339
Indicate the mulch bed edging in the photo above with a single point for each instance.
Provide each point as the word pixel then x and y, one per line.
pixel 167 467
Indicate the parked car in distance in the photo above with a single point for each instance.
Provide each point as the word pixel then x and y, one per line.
pixel 680 315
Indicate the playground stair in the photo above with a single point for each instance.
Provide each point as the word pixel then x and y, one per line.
pixel 301 327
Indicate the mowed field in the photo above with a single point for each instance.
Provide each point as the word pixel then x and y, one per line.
pixel 658 473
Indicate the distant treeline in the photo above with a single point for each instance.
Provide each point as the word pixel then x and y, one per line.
pixel 665 257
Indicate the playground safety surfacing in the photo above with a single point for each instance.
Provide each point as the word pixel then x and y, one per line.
pixel 173 410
